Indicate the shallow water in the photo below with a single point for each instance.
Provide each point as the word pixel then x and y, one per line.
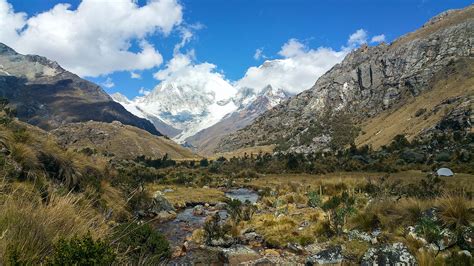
pixel 242 194
pixel 185 222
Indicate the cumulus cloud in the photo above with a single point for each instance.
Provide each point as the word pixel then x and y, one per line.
pixel 135 75
pixel 299 67
pixel 97 37
pixel 378 38
pixel 259 54
pixel 182 70
pixel 109 83
pixel 357 38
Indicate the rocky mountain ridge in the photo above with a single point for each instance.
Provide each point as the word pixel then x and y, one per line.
pixel 46 95
pixel 367 83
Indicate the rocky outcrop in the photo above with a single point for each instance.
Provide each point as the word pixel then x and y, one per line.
pixel 395 254
pixel 368 82
pixel 46 95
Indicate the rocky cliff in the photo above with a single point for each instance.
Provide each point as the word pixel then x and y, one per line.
pixel 370 83
pixel 46 95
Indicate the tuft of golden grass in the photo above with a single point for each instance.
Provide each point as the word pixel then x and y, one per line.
pixel 456 211
pixel 181 195
pixel 29 227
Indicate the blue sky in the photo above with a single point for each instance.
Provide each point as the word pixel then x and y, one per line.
pixel 228 33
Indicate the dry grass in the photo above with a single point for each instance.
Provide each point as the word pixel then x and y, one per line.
pixel 29 227
pixel 456 211
pixel 181 195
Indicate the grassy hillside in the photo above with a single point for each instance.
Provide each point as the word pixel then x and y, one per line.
pixel 118 140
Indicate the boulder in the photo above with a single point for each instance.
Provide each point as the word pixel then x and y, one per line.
pixel 444 172
pixel 160 204
pixel 467 235
pixel 296 248
pixel 238 254
pixel 222 242
pixel 362 236
pixel 330 255
pixel 394 254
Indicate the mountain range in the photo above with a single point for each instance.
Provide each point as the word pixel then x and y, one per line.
pixel 197 118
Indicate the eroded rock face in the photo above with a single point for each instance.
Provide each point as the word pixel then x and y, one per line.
pixel 367 82
pixel 395 254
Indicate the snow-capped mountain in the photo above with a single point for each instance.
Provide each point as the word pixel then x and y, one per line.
pixel 250 103
pixel 185 112
pixel 186 108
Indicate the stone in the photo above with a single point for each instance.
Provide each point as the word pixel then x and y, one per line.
pixel 160 204
pixel 330 255
pixel 467 235
pixel 448 239
pixel 296 248
pixel 394 254
pixel 357 235
pixel 252 237
pixel 238 254
pixel 271 253
pixel 165 216
pixel 220 206
pixel 198 210
pixel 222 242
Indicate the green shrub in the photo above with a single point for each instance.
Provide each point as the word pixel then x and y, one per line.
pixel 143 243
pixel 82 251
pixel 314 200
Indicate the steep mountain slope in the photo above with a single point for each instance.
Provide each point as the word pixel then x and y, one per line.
pixel 250 104
pixel 370 81
pixel 46 95
pixel 116 139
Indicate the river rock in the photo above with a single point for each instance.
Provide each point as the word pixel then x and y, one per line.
pixel 331 255
pixel 296 248
pixel 394 254
pixel 160 204
pixel 165 216
pixel 198 210
pixel 238 254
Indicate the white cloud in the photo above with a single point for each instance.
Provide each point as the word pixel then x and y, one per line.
pixel 143 91
pixel 357 38
pixel 96 38
pixel 299 67
pixel 109 83
pixel 183 71
pixel 259 54
pixel 135 75
pixel 378 38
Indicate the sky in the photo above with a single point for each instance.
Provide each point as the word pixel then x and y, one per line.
pixel 131 46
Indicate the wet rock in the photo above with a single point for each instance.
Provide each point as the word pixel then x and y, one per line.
pixel 394 254
pixel 166 216
pixel 331 255
pixel 160 204
pixel 198 210
pixel 238 254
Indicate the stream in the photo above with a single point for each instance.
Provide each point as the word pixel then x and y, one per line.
pixel 186 222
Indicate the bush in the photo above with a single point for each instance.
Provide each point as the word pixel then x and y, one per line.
pixel 314 200
pixel 82 251
pixel 143 244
